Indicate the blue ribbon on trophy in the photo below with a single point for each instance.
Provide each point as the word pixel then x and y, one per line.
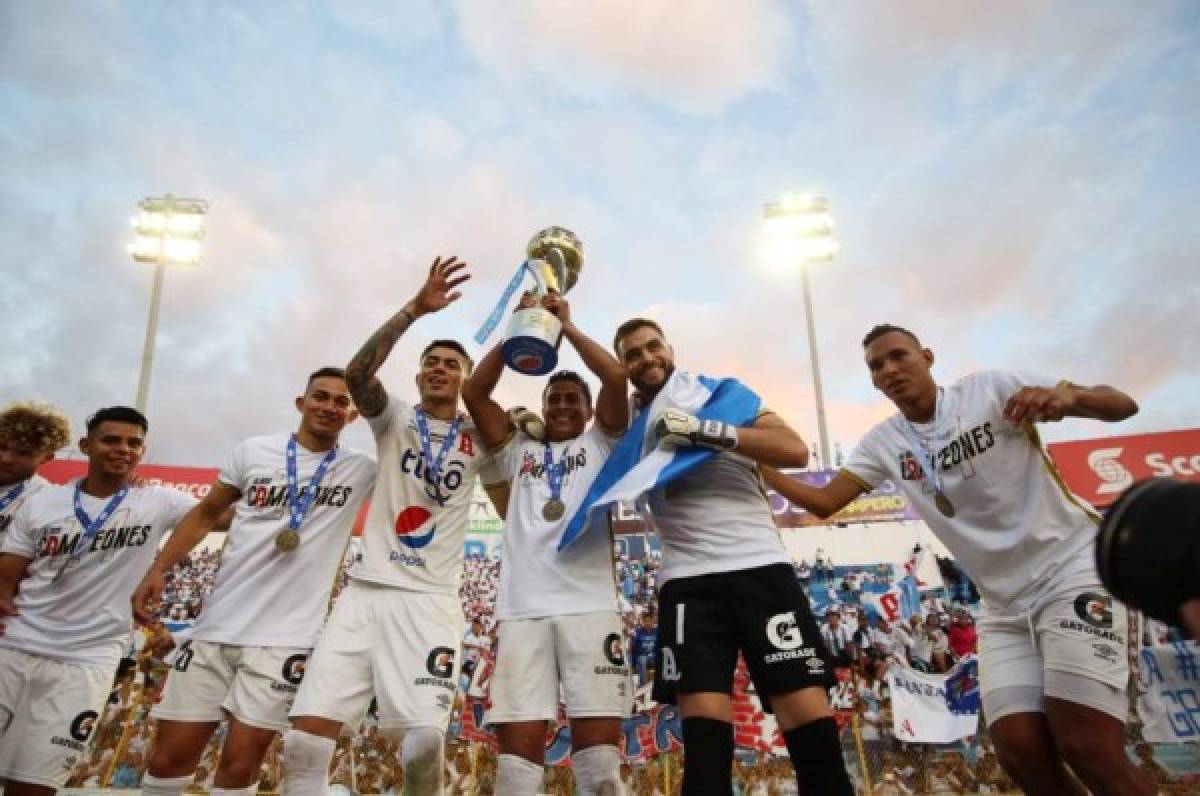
pixel 554 260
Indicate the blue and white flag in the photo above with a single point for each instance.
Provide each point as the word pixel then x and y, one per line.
pixel 636 465
pixel 927 709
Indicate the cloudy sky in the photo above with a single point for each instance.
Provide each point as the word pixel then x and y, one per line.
pixel 1016 181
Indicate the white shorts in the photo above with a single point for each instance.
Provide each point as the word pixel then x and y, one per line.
pixel 255 685
pixel 48 710
pixel 583 652
pixel 402 647
pixel 1072 646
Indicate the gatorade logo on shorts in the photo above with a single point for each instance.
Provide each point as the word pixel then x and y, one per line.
pixel 440 662
pixel 410 523
pixel 81 727
pixel 1095 609
pixel 783 632
pixel 293 669
pixel 613 651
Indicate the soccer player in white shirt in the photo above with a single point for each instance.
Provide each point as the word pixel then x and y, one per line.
pixel 396 629
pixel 76 552
pixel 245 656
pixel 30 434
pixel 729 587
pixel 1052 647
pixel 557 612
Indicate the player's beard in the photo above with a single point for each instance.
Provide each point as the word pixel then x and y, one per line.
pixel 648 391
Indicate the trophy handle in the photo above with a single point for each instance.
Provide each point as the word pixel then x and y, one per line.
pixel 554 256
pixel 539 279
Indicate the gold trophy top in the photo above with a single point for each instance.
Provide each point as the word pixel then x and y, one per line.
pixel 552 246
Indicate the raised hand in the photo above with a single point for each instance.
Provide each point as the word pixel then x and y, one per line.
pixel 439 291
pixel 556 304
pixel 1038 404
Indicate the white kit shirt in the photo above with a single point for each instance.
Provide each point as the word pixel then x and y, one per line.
pixel 1015 522
pixel 716 518
pixel 79 611
pixel 535 579
pixel 32 484
pixel 263 596
pixel 410 541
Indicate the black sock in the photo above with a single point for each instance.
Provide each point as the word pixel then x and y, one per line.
pixel 707 757
pixel 816 755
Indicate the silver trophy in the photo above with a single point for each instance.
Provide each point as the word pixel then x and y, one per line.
pixel 555 259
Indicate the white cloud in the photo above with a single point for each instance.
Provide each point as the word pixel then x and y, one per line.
pixel 698 57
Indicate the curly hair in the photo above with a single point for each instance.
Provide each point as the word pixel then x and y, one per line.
pixel 42 427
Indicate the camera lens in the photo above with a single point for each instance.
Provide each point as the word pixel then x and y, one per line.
pixel 1148 550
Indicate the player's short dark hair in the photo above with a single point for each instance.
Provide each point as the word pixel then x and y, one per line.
pixel 117 414
pixel 453 345
pixel 886 328
pixel 632 325
pixel 327 372
pixel 571 376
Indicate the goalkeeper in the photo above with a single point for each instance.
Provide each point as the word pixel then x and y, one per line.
pixel 729 587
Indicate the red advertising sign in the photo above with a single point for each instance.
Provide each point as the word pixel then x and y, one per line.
pixel 1099 470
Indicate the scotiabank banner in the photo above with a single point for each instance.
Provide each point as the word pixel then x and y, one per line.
pixel 1099 470
pixel 196 481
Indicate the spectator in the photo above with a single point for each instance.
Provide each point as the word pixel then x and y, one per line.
pixel 644 639
pixel 838 640
pixel 962 636
pixel 931 648
pixel 803 573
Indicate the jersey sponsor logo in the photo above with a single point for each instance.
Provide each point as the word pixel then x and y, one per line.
pixel 1095 609
pixel 293 668
pixel 958 451
pixel 55 542
pixel 1108 468
pixel 410 523
pixel 451 478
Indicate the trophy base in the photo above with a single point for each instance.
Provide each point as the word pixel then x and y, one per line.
pixel 532 344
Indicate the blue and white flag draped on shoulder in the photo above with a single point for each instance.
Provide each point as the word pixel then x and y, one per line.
pixel 637 466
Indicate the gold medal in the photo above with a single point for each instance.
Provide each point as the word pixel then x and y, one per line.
pixel 287 541
pixel 944 505
pixel 553 510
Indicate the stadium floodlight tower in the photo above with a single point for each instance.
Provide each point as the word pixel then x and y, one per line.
pixel 798 231
pixel 167 231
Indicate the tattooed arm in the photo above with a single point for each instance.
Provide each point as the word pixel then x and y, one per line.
pixel 436 294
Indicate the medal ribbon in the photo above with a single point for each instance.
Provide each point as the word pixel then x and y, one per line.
pixel 433 467
pixel 555 472
pixel 12 495
pixel 493 320
pixel 933 477
pixel 92 527
pixel 300 502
